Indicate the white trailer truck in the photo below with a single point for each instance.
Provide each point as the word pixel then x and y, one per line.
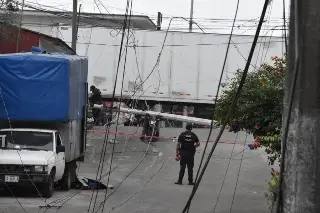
pixel 43 119
pixel 188 68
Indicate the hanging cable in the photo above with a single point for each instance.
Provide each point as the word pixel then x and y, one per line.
pixel 263 39
pixel 284 25
pixel 238 175
pixel 8 188
pixel 160 54
pixel 232 106
pixel 124 68
pixel 218 89
pixel 225 174
pixel 113 148
pixel 125 146
pixel 217 94
pixel 102 158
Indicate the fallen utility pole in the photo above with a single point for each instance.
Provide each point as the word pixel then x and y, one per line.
pixel 164 115
pixel 300 189
pixel 169 116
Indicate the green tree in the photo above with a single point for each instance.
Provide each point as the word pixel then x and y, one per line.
pixel 259 108
pixel 8 5
pixel 8 8
pixel 8 17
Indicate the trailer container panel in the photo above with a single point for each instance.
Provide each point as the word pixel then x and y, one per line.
pixel 173 66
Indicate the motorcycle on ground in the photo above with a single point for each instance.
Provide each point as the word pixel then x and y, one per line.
pixel 151 129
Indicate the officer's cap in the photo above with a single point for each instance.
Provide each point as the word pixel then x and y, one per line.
pixel 189 126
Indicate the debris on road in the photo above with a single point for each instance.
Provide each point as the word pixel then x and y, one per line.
pixel 90 184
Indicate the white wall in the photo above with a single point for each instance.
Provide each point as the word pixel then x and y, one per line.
pixel 40 24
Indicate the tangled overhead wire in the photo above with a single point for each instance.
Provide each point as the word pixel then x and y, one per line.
pixel 102 158
pixel 231 108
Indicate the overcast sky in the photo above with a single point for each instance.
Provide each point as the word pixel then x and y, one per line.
pixel 205 12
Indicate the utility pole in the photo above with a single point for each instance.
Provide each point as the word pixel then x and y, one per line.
pixel 74 25
pixel 159 21
pixel 20 25
pixel 78 20
pixel 301 180
pixel 191 16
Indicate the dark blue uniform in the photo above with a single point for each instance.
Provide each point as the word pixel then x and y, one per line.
pixel 188 142
pixel 96 98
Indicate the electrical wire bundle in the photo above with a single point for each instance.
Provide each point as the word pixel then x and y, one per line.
pixel 231 108
pixel 103 153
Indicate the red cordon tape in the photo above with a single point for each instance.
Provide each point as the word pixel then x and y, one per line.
pixel 170 138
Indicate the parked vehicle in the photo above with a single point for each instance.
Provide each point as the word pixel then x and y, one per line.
pixel 45 98
pixel 187 71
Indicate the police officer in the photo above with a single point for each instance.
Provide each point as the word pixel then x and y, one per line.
pixel 186 148
pixel 95 99
pixel 96 95
pixel 146 126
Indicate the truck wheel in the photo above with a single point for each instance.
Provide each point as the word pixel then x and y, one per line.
pixel 66 181
pixel 48 188
pixel 7 191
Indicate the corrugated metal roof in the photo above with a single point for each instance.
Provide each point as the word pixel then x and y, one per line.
pixel 91 19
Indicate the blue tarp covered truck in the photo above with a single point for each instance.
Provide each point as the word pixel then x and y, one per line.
pixel 43 105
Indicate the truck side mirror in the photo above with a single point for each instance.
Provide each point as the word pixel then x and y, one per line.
pixel 60 149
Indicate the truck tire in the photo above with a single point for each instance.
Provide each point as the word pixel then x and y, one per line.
pixel 48 187
pixel 7 190
pixel 66 181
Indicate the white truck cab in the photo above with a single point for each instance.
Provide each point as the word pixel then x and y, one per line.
pixel 33 156
pixel 45 138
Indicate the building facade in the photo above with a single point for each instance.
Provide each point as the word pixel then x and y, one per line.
pixel 10 42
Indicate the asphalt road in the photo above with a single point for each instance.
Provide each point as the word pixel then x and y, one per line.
pixel 145 182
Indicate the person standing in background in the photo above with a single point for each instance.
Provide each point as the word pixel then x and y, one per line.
pixel 188 141
pixel 95 98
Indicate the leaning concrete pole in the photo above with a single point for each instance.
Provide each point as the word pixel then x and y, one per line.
pixel 74 26
pixel 300 191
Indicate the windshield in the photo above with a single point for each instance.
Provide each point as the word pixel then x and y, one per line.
pixel 26 140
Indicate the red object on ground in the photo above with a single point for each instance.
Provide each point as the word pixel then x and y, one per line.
pixel 256 145
pixel 107 103
pixel 178 157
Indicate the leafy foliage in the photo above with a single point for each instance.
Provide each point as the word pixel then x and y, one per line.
pixel 259 108
pixel 272 193
pixel 8 5
pixel 8 17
